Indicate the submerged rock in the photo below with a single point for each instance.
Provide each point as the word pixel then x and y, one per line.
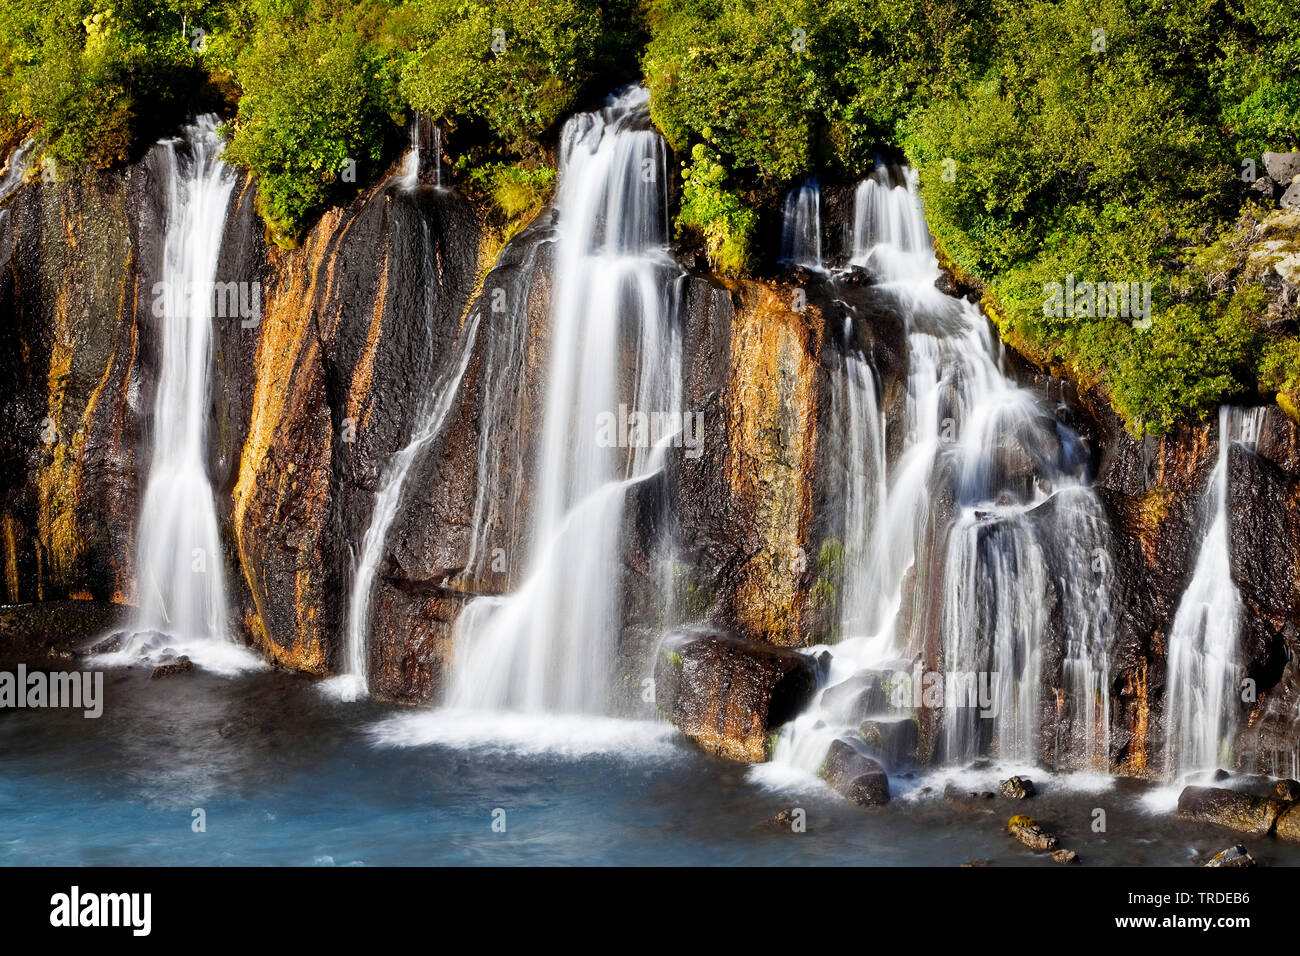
pixel 854 774
pixel 1232 856
pixel 109 645
pixel 1027 831
pixel 1243 812
pixel 728 694
pixel 1064 856
pixel 785 820
pixel 1018 788
pixel 182 665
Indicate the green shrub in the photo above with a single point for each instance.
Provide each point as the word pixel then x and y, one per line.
pixel 318 97
pixel 516 189
pixel 716 214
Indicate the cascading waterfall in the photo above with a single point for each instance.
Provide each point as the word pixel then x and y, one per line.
pixel 1203 672
pixel 179 567
pixel 614 346
pixel 1016 480
pixel 801 230
pixel 15 169
pixel 859 428
pixel 429 419
pixel 410 177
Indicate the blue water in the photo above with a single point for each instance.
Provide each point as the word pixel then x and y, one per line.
pixel 286 775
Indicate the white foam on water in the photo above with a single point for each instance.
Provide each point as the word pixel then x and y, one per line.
pixel 571 736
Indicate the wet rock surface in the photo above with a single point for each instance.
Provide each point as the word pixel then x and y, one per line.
pixel 1030 833
pixel 854 774
pixel 53 630
pixel 1018 788
pixel 728 694
pixel 1233 856
pixel 1243 812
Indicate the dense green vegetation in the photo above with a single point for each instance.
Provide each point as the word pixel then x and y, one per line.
pixel 1099 139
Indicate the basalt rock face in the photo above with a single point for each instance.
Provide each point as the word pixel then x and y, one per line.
pixel 1155 493
pixel 356 324
pixel 72 397
pixel 1264 510
pixel 744 505
pixel 461 530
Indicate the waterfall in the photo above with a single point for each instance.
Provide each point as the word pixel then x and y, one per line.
pixel 613 346
pixel 889 234
pixel 430 418
pixel 966 539
pixel 1204 665
pixel 801 229
pixel 179 568
pixel 15 169
pixel 858 427
pixel 410 177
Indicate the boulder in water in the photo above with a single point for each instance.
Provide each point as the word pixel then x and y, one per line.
pixel 893 740
pixel 1064 856
pixel 1288 790
pixel 1288 823
pixel 1232 856
pixel 1018 788
pixel 182 665
pixel 1027 831
pixel 1243 812
pixel 728 694
pixel 109 645
pixel 854 774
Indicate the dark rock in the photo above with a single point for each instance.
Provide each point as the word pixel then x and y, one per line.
pixel 785 820
pixel 1064 856
pixel 1018 788
pixel 1233 856
pixel 1282 167
pixel 854 774
pixel 182 665
pixel 978 861
pixel 1027 831
pixel 891 740
pixel 1243 812
pixel 988 795
pixel 52 630
pixel 109 645
pixel 946 284
pixel 728 694
pixel 1288 790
